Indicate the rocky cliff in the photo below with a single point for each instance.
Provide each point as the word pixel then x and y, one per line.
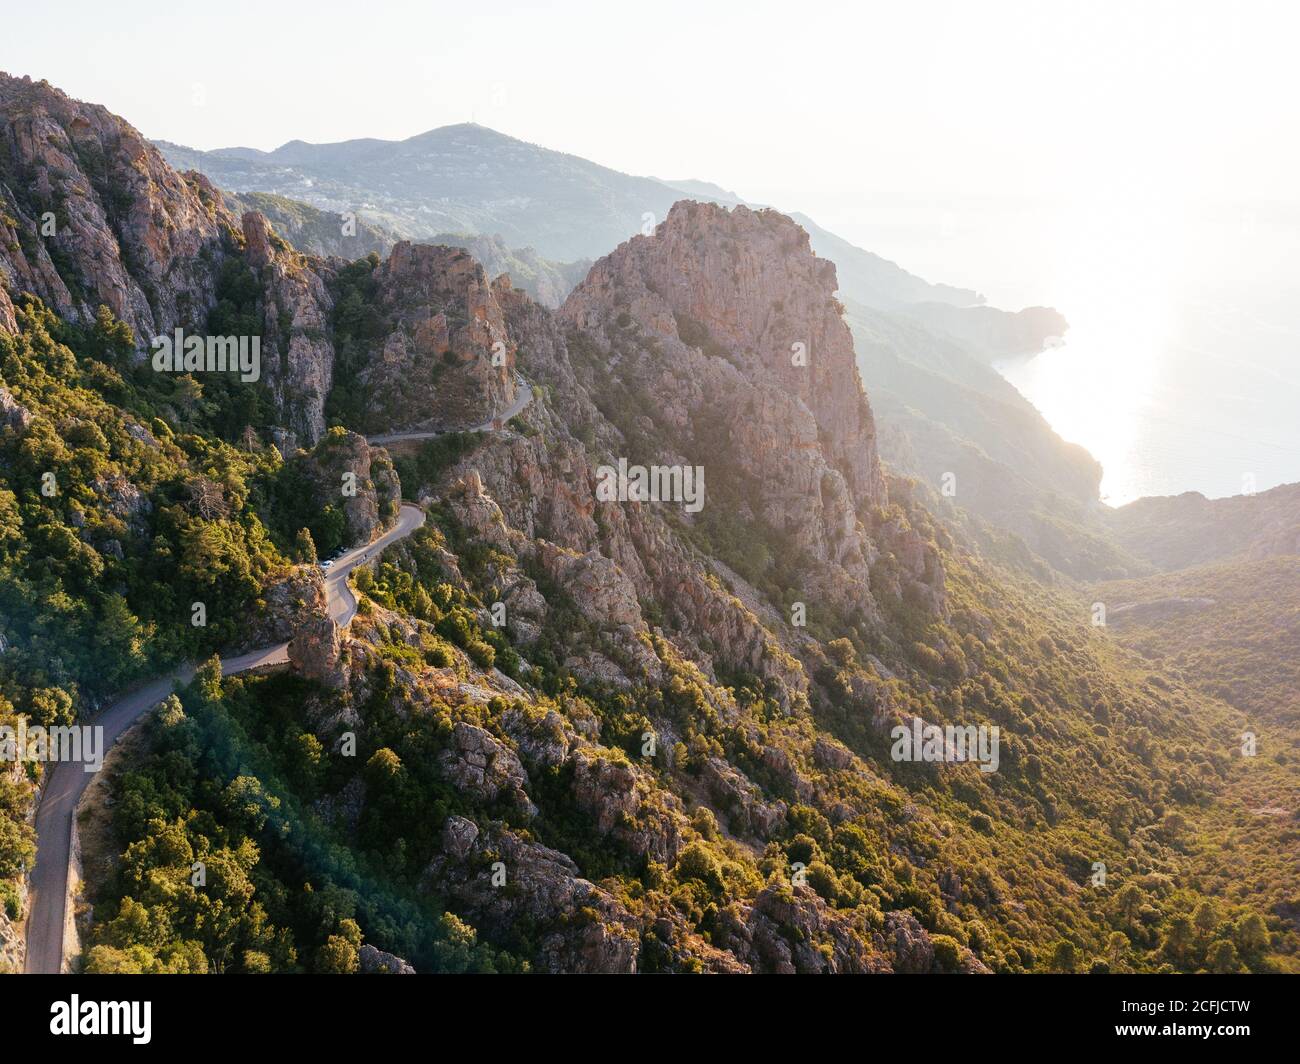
pixel 442 358
pixel 90 214
pixel 678 350
pixel 722 337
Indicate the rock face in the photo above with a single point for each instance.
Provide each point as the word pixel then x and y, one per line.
pixel 348 473
pixel 376 962
pixel 481 766
pixel 13 415
pixel 590 930
pixel 297 351
pixel 316 649
pixel 91 214
pixel 744 287
pixel 602 591
pixel 286 601
pixel 788 931
pixel 545 281
pixel 693 329
pixel 909 944
pixel 445 360
pixel 726 324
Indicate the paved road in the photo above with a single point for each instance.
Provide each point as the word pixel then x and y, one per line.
pixel 67 781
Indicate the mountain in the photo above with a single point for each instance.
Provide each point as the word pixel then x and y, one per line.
pixel 1033 485
pixel 629 699
pixel 462 178
pixel 1180 531
pixel 312 230
pixel 466 178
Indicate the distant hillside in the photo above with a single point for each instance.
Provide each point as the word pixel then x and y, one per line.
pixel 469 179
pixel 458 179
pixel 993 333
pixel 943 409
pixel 312 230
pixel 1178 531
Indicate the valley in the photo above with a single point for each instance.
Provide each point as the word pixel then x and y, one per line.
pixel 527 725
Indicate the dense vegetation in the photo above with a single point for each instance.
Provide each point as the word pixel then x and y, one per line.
pixel 1233 630
pixel 313 817
pixel 226 866
pixel 1102 761
pixel 126 497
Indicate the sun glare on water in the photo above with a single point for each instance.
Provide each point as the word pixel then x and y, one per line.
pixel 1114 277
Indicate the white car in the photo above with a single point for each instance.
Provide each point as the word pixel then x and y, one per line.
pixel 328 563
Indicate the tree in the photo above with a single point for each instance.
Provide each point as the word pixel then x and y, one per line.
pixel 384 765
pixel 337 957
pixel 1065 958
pixel 1251 935
pixel 1222 957
pixel 208 679
pixel 1179 938
pixel 1117 950
pixel 1205 919
pixel 307 757
pixel 947 953
pixel 206 498
pixel 120 639
pixel 113 340
pixel 17 846
pixel 304 548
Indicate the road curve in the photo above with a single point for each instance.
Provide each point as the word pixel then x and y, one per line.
pixel 67 781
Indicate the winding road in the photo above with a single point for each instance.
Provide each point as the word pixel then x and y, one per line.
pixel 68 780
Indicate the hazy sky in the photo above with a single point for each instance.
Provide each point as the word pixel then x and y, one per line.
pixel 828 108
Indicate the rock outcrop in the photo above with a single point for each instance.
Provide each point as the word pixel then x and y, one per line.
pixel 13 415
pixel 587 930
pixel 296 345
pixel 482 767
pixel 445 359
pixel 376 962
pixel 91 214
pixel 726 325
pixel 350 475
pixel 316 652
